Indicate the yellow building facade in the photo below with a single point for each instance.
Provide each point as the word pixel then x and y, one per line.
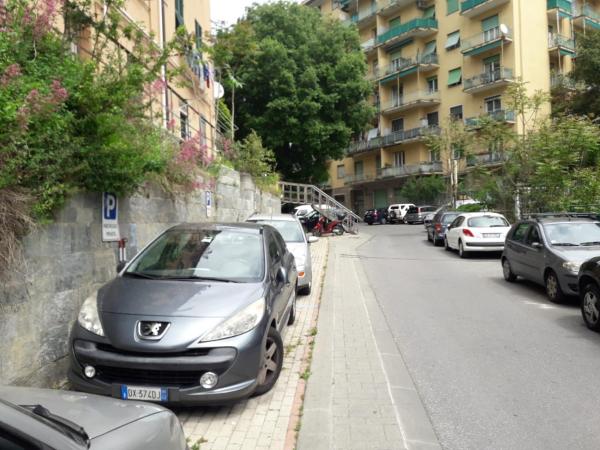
pixel 430 61
pixel 186 106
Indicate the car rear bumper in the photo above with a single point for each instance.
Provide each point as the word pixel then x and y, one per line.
pixel 479 246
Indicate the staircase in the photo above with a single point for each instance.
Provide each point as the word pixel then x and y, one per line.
pixel 307 194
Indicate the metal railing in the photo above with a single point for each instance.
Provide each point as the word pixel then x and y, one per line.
pixel 308 194
pixel 427 167
pixel 364 146
pixel 486 159
pixel 558 40
pixel 404 28
pixel 559 80
pixel 565 5
pixel 501 73
pixel 415 97
pixel 483 38
pixel 586 11
pixel 403 63
pixel 368 45
pixel 500 115
pixel 406 135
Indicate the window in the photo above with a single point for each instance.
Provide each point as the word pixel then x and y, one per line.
pixel 399 159
pixel 432 84
pixel 451 6
pixel 519 232
pixel 184 121
pixel 430 48
pixel 179 14
pixel 433 119
pixel 455 77
pixel 491 28
pixel 274 253
pixel 358 168
pixel 341 171
pixel 456 112
pixel 493 104
pixel 397 125
pixel 457 151
pixel 453 40
pixel 491 68
pixel 533 236
pixel 396 60
pixel 203 131
pixel 378 161
pixel 394 22
pixel 397 92
pixel 487 222
pixel 429 13
pixel 198 28
pixel 434 155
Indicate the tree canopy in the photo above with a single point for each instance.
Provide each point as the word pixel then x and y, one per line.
pixel 299 81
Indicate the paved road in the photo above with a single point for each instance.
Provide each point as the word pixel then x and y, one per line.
pixel 497 366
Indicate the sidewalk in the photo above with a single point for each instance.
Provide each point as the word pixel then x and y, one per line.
pixel 360 394
pixel 268 421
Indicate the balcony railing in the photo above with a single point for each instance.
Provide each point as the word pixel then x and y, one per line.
pixel 559 41
pixel 364 146
pixel 558 80
pixel 404 63
pixel 564 5
pixel 586 11
pixel 392 5
pixel 470 4
pixel 415 97
pixel 360 178
pixel 412 169
pixel 368 45
pixel 486 159
pixel 485 38
pixel 397 137
pixel 488 78
pixel 500 115
pixel 399 30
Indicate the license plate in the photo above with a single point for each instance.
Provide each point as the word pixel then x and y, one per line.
pixel 144 393
pixel 491 235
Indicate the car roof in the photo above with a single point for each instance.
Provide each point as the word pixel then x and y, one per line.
pixel 481 213
pixel 285 217
pixel 242 226
pixel 561 220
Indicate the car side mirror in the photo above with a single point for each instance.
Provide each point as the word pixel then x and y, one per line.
pixel 121 265
pixel 537 245
pixel 312 239
pixel 282 275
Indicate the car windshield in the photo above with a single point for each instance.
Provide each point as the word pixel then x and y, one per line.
pixel 487 222
pixel 573 233
pixel 289 229
pixel 448 218
pixel 233 255
pixel 412 209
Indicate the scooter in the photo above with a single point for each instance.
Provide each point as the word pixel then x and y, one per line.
pixel 325 226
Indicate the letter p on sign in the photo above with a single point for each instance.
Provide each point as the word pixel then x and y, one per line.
pixel 110 223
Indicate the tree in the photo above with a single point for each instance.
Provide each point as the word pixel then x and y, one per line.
pixel 424 190
pixel 300 85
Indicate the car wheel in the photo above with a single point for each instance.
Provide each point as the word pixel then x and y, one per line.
pixel 292 317
pixel 271 364
pixel 590 307
pixel 461 250
pixel 429 237
pixel 507 271
pixel 305 290
pixel 446 246
pixel 553 290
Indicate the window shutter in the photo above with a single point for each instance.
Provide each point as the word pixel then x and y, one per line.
pixel 453 40
pixel 490 23
pixel 429 13
pixel 198 37
pixel 492 59
pixel 452 6
pixel 394 22
pixel 179 13
pixel 430 48
pixel 454 77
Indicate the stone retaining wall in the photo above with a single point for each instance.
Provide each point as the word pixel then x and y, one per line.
pixel 64 262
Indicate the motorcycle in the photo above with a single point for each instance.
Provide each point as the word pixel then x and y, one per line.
pixel 326 226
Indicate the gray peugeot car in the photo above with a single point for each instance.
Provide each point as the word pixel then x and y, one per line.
pixel 549 249
pixel 45 419
pixel 195 318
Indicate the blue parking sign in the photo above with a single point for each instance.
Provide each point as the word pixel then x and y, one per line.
pixel 110 217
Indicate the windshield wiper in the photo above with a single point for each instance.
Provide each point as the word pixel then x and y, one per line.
pixel 76 432
pixel 590 243
pixel 566 244
pixel 140 275
pixel 198 278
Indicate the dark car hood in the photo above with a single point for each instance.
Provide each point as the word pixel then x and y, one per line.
pixel 97 415
pixel 577 254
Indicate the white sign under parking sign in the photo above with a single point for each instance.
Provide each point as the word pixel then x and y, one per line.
pixel 110 218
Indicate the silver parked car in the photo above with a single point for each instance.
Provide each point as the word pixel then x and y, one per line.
pixel 62 420
pixel 297 242
pixel 195 318
pixel 416 214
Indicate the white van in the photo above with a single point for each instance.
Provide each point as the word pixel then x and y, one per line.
pixel 397 211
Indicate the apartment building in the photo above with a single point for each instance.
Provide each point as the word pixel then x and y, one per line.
pixel 185 107
pixel 432 60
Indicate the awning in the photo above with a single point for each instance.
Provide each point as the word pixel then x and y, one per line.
pixel 453 39
pixel 429 13
pixel 430 48
pixel 483 48
pixel 454 77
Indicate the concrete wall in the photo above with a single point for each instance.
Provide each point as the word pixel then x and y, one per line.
pixel 64 262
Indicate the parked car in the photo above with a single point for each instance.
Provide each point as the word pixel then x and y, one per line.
pixel 47 419
pixel 589 292
pixel 416 214
pixel 436 231
pixel 397 211
pixel 477 232
pixel 549 249
pixel 195 318
pixel 296 241
pixel 379 215
pixel 309 220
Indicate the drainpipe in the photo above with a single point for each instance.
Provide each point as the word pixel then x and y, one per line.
pixel 163 69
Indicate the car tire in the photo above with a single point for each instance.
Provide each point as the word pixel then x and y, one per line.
pixel 270 369
pixel 436 242
pixel 446 246
pixel 305 290
pixel 292 316
pixel 509 275
pixel 590 308
pixel 429 238
pixel 553 289
pixel 461 250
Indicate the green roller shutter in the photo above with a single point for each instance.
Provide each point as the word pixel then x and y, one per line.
pixel 451 6
pixel 492 59
pixel 454 77
pixel 394 22
pixel 453 40
pixel 380 198
pixel 429 48
pixel 429 13
pixel 490 22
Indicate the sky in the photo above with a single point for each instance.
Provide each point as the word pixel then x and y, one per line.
pixel 229 11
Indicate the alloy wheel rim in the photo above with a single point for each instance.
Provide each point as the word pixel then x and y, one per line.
pixel 590 307
pixel 552 286
pixel 269 366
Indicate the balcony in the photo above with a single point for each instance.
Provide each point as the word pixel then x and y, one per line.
pixel 419 27
pixel 564 81
pixel 405 66
pixel 485 41
pixel 586 17
pixel 564 6
pixel 357 179
pixel 500 115
pixel 388 8
pixel 423 168
pixel 404 136
pixel 563 44
pixel 486 159
pixel 488 80
pixel 414 100
pixel 473 8
pixel 364 146
pixel 368 46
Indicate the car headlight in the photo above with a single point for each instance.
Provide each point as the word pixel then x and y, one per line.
pixel 572 266
pixel 88 316
pixel 240 323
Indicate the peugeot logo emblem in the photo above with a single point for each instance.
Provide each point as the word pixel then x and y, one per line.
pixel 152 331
